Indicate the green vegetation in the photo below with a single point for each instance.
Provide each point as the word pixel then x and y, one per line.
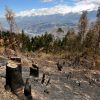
pixel 86 41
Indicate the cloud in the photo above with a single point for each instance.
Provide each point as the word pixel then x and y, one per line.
pixel 77 7
pixel 89 5
pixel 46 1
pixel 59 9
pixel 87 2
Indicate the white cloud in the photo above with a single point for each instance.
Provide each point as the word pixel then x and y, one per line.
pixel 59 9
pixel 89 5
pixel 78 6
pixel 88 1
pixel 46 1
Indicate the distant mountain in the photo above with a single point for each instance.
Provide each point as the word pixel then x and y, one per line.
pixel 41 24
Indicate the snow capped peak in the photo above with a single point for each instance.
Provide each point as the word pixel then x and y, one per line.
pixel 61 9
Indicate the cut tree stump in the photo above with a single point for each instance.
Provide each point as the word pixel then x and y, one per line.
pixel 27 90
pixel 14 79
pixel 34 70
pixel 59 66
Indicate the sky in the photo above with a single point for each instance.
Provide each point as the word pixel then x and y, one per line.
pixel 47 7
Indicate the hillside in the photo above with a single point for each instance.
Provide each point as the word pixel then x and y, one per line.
pixel 40 24
pixel 60 86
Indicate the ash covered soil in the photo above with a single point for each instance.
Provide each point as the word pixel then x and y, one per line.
pixel 72 83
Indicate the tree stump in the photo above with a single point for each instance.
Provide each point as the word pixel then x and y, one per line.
pixel 18 60
pixel 14 79
pixel 34 70
pixel 27 90
pixel 43 78
pixel 59 66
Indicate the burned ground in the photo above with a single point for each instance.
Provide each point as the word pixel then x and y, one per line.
pixel 61 86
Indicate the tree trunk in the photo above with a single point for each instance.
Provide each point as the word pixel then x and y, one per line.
pixel 14 79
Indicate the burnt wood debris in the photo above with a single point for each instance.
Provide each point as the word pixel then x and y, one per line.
pixel 59 66
pixel 34 70
pixel 48 82
pixel 69 75
pixel 46 91
pixel 43 78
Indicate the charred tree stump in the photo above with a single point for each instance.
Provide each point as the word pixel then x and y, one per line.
pixel 18 60
pixel 27 90
pixel 14 79
pixel 43 78
pixel 59 66
pixel 34 70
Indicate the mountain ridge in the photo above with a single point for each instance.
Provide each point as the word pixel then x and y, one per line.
pixel 41 24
